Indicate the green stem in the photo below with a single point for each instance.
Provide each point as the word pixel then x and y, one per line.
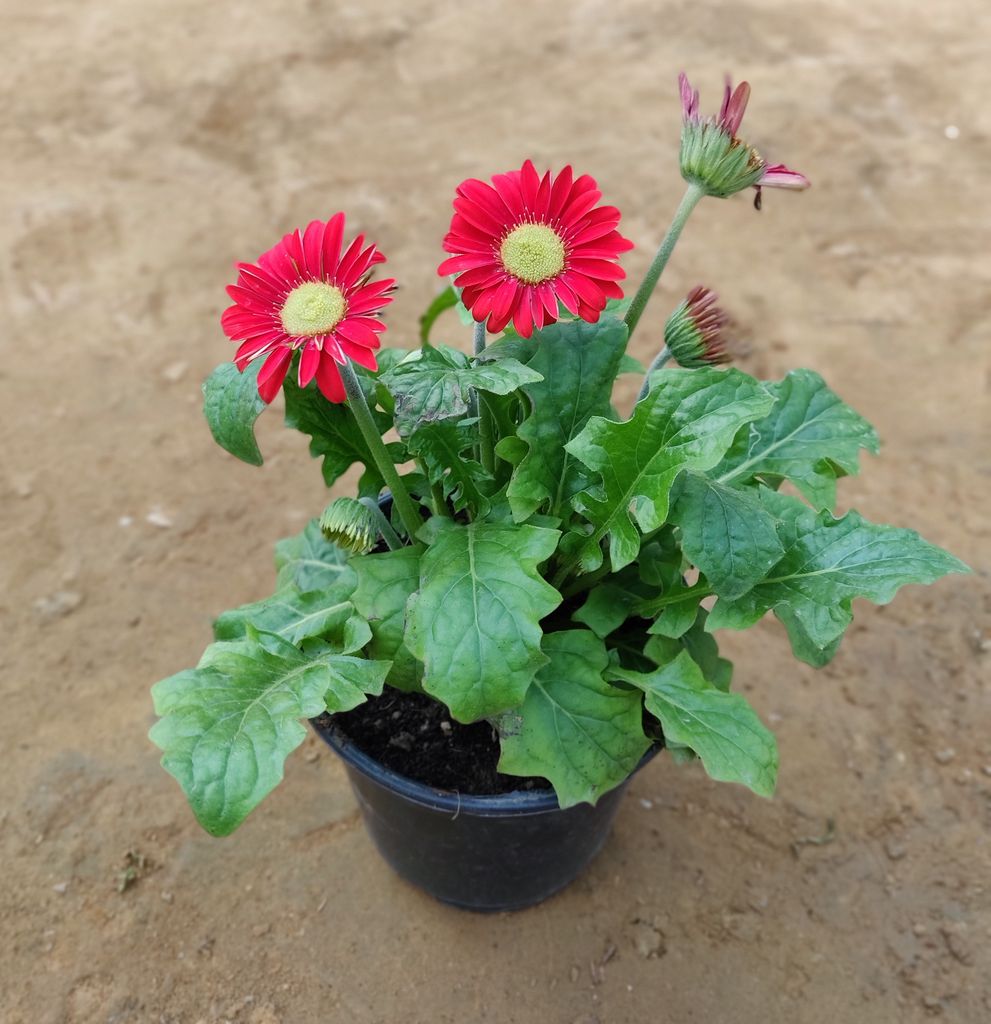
pixel 392 539
pixel 659 360
pixel 650 609
pixel 408 514
pixel 486 442
pixel 688 202
pixel 587 581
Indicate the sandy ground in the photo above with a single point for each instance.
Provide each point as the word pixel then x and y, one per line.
pixel 147 145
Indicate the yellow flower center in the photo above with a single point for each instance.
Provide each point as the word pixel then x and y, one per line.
pixel 533 253
pixel 313 308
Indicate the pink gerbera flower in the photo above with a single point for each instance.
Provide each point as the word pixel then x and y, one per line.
pixel 524 243
pixel 715 158
pixel 303 295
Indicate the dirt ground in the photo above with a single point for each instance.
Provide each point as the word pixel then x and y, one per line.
pixel 145 147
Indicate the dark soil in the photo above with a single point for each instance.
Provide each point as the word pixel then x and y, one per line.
pixel 416 737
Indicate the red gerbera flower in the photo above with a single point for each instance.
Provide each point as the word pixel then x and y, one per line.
pixel 304 295
pixel 524 243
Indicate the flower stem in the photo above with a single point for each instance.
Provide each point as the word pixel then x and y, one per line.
pixel 688 202
pixel 408 514
pixel 659 360
pixel 486 443
pixel 389 535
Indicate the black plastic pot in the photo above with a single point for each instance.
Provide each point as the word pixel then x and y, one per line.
pixel 485 853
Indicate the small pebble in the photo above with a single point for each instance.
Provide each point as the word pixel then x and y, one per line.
pixel 895 851
pixel 951 131
pixel 174 372
pixel 125 521
pixel 445 728
pixel 61 888
pixel 986 769
pixel 59 604
pixel 156 517
pixel 945 756
pixel 918 929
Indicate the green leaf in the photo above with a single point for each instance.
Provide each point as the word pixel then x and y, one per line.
pixel 810 437
pixel 475 621
pixel 579 362
pixel 722 728
pixel 441 447
pixel 436 384
pixel 827 563
pixel 727 533
pixel 231 404
pixel 296 617
pixel 309 561
pixel 447 299
pixel 227 726
pixel 701 647
pixel 335 434
pixel 607 607
pixel 574 728
pixel 686 422
pixel 385 583
pixel 679 614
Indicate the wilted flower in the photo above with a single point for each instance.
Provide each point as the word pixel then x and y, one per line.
pixel 350 525
pixel 694 332
pixel 715 158
pixel 524 243
pixel 303 295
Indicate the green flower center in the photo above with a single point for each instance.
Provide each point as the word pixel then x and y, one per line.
pixel 533 253
pixel 313 308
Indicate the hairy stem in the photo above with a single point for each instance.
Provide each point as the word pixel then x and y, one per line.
pixel 688 202
pixel 392 539
pixel 659 360
pixel 408 514
pixel 486 442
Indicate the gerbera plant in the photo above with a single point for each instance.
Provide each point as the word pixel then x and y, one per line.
pixel 521 550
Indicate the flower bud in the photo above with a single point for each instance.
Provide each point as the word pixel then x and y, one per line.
pixel 350 525
pixel 694 332
pixel 715 159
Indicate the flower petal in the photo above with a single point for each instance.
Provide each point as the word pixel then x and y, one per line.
pixel 332 237
pixel 361 355
pixel 355 331
pixel 329 379
pixel 313 248
pixel 309 360
pixel 779 176
pixel 273 373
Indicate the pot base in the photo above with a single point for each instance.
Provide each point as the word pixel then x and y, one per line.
pixel 493 853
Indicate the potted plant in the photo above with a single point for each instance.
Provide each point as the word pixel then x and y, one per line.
pixel 518 607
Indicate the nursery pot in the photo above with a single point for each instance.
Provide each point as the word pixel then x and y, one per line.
pixel 486 853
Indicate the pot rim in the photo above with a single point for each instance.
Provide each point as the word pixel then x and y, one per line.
pixel 512 804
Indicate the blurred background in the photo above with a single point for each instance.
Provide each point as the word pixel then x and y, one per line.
pixel 145 147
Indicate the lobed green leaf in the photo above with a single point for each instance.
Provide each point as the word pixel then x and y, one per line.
pixel 828 562
pixel 385 583
pixel 474 623
pixel 227 726
pixel 728 534
pixel 309 561
pixel 810 437
pixel 574 728
pixel 578 362
pixel 722 728
pixel 687 421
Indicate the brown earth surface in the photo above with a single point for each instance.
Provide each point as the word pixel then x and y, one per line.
pixel 146 146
